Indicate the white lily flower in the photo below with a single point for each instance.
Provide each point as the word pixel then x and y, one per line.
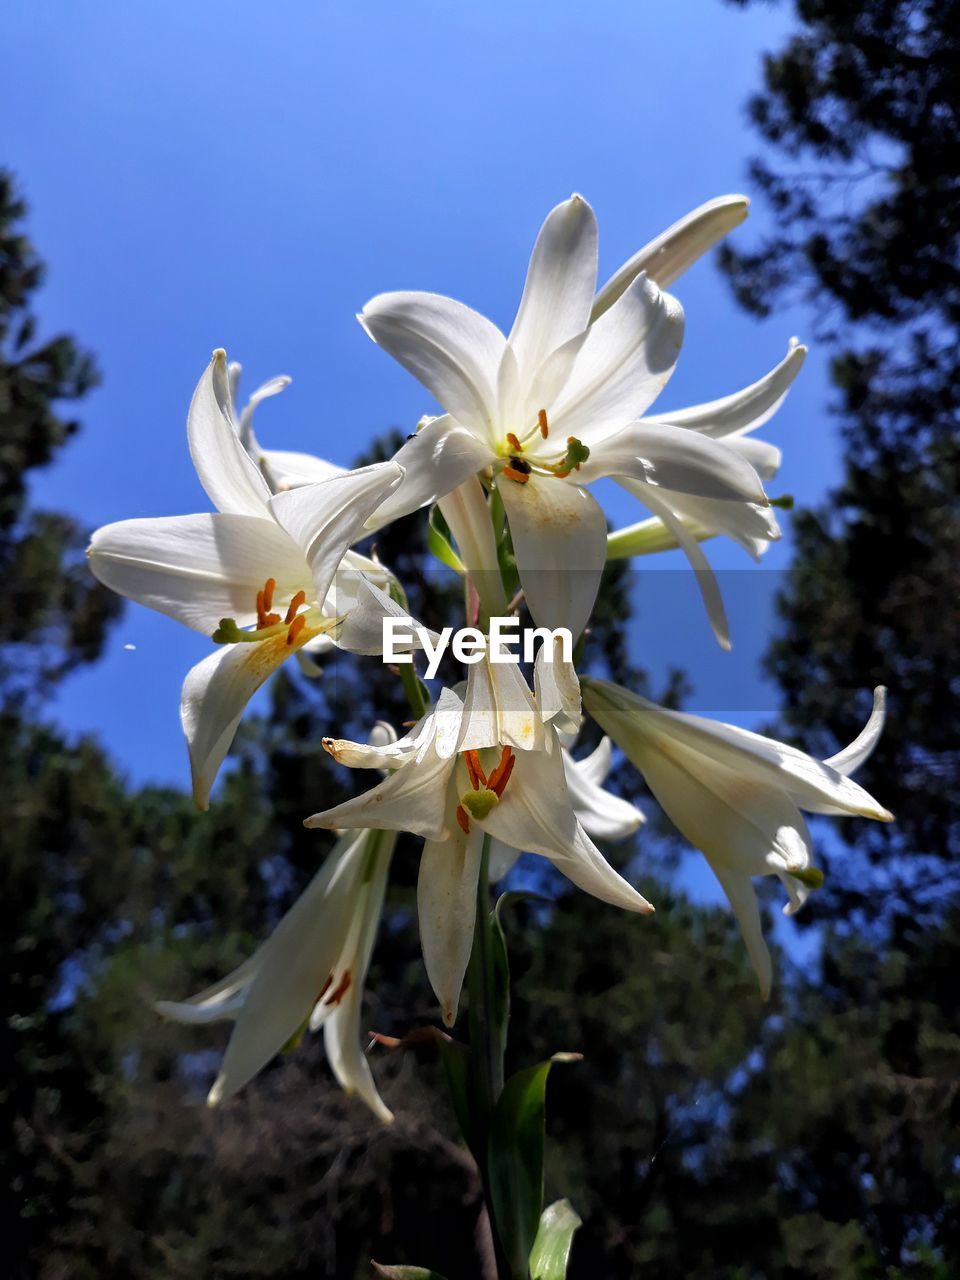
pixel 310 971
pixel 264 575
pixel 603 815
pixel 476 765
pixel 737 795
pixel 557 404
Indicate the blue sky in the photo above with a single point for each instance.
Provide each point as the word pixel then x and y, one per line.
pixel 248 175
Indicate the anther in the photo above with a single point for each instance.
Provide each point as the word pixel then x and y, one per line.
pixel 518 470
pixel 542 423
pixel 268 590
pixel 498 780
pixel 463 820
pixel 295 604
pixel 477 776
pixel 296 626
pixel 514 442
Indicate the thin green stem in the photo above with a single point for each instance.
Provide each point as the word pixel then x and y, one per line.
pixel 485 1039
pixel 413 689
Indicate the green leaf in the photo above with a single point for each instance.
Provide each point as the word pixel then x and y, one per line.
pixel 405 1273
pixel 515 1160
pixel 551 1249
pixel 439 544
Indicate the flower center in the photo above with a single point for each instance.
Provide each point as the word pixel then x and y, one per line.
pixel 269 624
pixel 519 468
pixel 485 792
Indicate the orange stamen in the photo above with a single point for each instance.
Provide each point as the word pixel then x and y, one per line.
pixel 296 626
pixel 501 774
pixel 268 590
pixel 343 987
pixel 477 776
pixel 542 422
pixel 514 442
pixel 463 819
pixel 516 475
pixel 295 604
pixel 261 611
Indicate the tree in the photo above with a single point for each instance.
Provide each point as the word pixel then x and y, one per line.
pixel 859 115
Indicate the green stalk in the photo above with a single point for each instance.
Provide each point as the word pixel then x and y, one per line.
pixel 413 689
pixel 485 1039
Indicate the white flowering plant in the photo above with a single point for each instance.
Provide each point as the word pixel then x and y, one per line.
pixel 486 769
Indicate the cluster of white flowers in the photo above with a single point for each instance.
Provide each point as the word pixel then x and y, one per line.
pixel 530 421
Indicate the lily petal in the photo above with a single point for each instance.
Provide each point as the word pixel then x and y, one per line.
pixel 447 906
pixel 341 1025
pixel 813 784
pixel 672 458
pixel 676 249
pixel 299 955
pixel 499 709
pixel 560 538
pixel 750 526
pixel 596 766
pixel 743 899
pixel 625 362
pixel 851 758
pixel 557 687
pixel 560 286
pixel 703 570
pixel 535 814
pixel 215 695
pixel 197 569
pixel 412 799
pixel 441 456
pixel 468 517
pixel 451 349
pixel 501 858
pixel 324 519
pixel 744 410
pixel 289 470
pixel 602 815
pixel 227 472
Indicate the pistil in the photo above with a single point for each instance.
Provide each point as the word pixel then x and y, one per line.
pixel 487 791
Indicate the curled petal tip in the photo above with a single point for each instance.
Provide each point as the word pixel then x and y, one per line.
pixel 219 356
pixel 449 1017
pixel 215 1096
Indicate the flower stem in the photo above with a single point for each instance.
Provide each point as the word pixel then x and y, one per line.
pixel 487 1024
pixel 486 1040
pixel 413 689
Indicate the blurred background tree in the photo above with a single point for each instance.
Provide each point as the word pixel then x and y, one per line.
pixel 859 117
pixel 704 1135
